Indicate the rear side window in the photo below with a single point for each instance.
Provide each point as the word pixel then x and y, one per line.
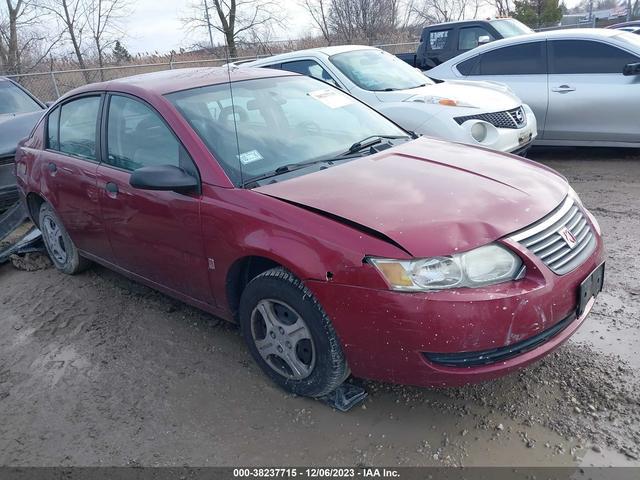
pixel 582 56
pixel 53 127
pixel 469 67
pixel 78 127
pixel 438 39
pixel 523 59
pixel 138 137
pixel 310 69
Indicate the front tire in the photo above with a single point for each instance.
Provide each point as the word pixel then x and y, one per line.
pixel 290 336
pixel 60 247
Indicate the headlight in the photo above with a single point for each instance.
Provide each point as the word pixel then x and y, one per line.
pixel 482 266
pixel 446 101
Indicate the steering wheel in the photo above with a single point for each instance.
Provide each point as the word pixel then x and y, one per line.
pixel 309 126
pixel 227 112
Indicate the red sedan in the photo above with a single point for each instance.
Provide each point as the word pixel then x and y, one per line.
pixel 339 242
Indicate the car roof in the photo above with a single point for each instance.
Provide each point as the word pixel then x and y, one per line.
pixel 167 81
pixel 328 51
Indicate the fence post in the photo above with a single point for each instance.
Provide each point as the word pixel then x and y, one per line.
pixel 171 61
pixel 53 80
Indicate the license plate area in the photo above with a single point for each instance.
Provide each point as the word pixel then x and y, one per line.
pixel 590 287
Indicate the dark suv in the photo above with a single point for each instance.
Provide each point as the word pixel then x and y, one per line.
pixel 443 41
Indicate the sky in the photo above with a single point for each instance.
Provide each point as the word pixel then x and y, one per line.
pixel 155 25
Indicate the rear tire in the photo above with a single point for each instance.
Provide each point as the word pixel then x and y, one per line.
pixel 60 247
pixel 290 336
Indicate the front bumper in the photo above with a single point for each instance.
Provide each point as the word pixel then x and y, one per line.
pixel 509 140
pixel 386 335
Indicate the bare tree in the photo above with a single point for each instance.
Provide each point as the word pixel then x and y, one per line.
pixel 504 8
pixel 367 20
pixel 72 16
pixel 319 12
pixel 436 11
pixel 103 21
pixel 236 20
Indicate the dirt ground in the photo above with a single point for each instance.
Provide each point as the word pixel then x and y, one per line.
pixel 98 370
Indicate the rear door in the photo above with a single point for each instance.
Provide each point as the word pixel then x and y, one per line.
pixel 523 67
pixel 154 234
pixel 71 159
pixel 589 97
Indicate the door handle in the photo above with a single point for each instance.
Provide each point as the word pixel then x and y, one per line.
pixel 563 89
pixel 111 187
pixel 52 167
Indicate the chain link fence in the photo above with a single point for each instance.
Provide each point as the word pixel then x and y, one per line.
pixel 48 86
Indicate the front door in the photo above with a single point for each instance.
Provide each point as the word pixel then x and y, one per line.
pixel 154 234
pixel 589 97
pixel 523 67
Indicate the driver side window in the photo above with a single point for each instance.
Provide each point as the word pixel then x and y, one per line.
pixel 137 137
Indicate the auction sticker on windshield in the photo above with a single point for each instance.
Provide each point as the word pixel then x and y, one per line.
pixel 250 157
pixel 332 98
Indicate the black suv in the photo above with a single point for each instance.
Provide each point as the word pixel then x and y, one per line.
pixel 443 41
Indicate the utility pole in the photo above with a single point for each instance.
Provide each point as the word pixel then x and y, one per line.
pixel 206 14
pixel 628 10
pixel 591 12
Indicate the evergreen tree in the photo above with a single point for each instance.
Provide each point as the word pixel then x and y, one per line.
pixel 120 53
pixel 538 13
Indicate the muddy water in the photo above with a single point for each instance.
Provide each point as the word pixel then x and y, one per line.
pixel 97 370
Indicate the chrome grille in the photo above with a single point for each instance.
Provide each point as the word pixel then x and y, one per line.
pixel 545 238
pixel 515 118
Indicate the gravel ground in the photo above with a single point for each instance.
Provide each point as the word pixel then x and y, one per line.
pixel 98 370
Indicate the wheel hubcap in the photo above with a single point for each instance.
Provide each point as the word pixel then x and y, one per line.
pixel 53 237
pixel 283 339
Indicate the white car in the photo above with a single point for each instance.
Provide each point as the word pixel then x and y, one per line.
pixel 486 114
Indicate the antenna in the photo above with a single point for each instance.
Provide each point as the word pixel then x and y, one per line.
pixel 233 110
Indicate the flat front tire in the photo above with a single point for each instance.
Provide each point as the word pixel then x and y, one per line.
pixel 290 336
pixel 60 247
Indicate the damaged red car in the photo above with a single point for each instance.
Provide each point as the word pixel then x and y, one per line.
pixel 339 242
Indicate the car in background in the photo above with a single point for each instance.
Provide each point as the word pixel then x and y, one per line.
pixel 348 247
pixel 443 41
pixel 478 114
pixel 582 84
pixel 632 26
pixel 19 112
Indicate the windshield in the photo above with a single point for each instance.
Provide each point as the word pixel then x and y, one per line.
pixel 376 70
pixel 510 27
pixel 14 100
pixel 280 121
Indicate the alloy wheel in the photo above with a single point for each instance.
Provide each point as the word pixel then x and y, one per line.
pixel 283 339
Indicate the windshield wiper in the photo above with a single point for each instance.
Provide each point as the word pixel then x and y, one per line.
pixel 371 141
pixel 291 167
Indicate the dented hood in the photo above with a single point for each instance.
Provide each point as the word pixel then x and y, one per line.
pixel 431 197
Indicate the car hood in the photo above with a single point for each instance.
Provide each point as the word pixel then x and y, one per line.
pixel 488 96
pixel 430 197
pixel 13 128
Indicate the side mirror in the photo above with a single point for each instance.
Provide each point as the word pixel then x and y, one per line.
pixel 631 69
pixel 483 39
pixel 163 177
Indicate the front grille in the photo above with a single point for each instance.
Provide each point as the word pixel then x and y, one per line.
pixel 562 240
pixel 487 357
pixel 515 118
